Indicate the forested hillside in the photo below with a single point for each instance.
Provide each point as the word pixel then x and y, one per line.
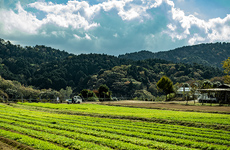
pixel 140 78
pixel 45 67
pixel 211 54
pixel 74 71
pixel 18 63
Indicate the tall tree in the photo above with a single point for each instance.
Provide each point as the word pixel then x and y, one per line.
pixel 66 93
pixel 165 85
pixel 226 66
pixel 69 91
pixel 104 93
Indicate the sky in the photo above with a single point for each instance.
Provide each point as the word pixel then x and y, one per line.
pixel 114 26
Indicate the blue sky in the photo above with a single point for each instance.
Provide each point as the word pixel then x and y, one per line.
pixel 114 26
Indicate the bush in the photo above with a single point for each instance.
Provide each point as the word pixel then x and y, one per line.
pixel 171 96
pixel 92 99
pixel 143 95
pixel 160 98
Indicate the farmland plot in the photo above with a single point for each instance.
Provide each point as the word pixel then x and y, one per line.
pixel 55 126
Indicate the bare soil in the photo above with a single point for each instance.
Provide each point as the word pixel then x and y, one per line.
pixel 170 106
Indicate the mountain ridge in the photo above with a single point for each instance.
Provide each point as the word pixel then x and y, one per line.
pixel 209 54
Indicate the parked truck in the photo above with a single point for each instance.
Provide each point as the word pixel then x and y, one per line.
pixel 74 100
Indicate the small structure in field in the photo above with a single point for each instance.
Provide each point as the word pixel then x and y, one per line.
pixel 187 92
pixel 220 94
pixel 183 91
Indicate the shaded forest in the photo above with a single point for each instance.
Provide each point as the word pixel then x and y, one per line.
pixel 44 67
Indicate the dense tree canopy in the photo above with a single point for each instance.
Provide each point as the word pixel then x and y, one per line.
pixel 210 54
pixel 104 93
pixel 165 85
pixel 45 67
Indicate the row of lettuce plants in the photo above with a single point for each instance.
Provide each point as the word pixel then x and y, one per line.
pixel 137 134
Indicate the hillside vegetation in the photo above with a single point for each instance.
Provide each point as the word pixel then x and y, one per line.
pixel 20 63
pixel 45 67
pixel 141 77
pixel 211 54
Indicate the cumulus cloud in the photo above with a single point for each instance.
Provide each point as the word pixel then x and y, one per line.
pixel 68 15
pixel 196 30
pixel 116 25
pixel 196 39
pixel 21 21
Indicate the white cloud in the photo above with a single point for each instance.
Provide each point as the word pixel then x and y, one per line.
pixel 68 15
pixel 67 20
pixel 56 33
pixel 21 21
pixel 156 4
pixel 76 36
pixel 87 37
pixel 128 15
pixel 196 39
pixel 196 30
pixel 171 27
pixel 112 24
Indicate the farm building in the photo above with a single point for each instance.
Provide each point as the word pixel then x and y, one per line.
pixel 220 94
pixel 183 90
pixel 187 90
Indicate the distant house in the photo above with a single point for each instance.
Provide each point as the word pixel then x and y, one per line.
pixel 183 91
pixel 186 90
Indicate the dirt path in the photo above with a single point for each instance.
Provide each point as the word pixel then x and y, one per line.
pixel 170 106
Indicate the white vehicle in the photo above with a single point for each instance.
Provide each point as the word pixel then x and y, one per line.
pixel 75 99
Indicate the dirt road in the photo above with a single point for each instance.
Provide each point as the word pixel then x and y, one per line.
pixel 170 106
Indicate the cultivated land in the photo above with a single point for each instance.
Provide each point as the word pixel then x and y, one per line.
pixel 93 126
pixel 177 105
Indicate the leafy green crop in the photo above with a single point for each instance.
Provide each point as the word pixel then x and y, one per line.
pixel 36 143
pixel 91 132
pixel 197 117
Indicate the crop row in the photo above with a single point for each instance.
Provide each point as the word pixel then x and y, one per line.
pixel 141 124
pixel 111 133
pixel 62 140
pixel 39 131
pixel 27 140
pixel 196 117
pixel 133 127
pixel 103 138
pixel 126 134
pixel 153 128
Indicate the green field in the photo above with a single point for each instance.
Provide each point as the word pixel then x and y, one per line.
pixel 92 126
